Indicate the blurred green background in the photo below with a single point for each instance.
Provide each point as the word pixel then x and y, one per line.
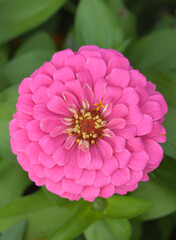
pixel 30 32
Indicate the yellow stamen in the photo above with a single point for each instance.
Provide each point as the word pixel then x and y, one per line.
pixel 70 134
pixel 99 105
pixel 77 140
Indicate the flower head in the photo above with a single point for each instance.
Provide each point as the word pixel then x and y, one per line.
pixel 88 125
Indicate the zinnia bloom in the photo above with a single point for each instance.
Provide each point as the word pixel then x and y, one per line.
pixel 88 125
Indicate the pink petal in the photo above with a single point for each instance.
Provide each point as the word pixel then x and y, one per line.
pixel 88 94
pixel 57 131
pixel 25 103
pixel 84 77
pixel 54 187
pixel 64 74
pixel 129 96
pixel 96 160
pixel 13 126
pixel 137 79
pixel 57 105
pixel 71 197
pixel 145 126
pixel 99 90
pixel 69 142
pixel 87 178
pixel 90 193
pixel 75 88
pixel 23 119
pixel 75 62
pixel 33 130
pixel 136 177
pixel 107 110
pixel 38 169
pixel 142 93
pixel 23 161
pixel 32 151
pixel 139 160
pixel 47 124
pixel 55 173
pixel 56 88
pixel 46 160
pixel 58 58
pixel 105 148
pixel 60 156
pixel 117 143
pixel 118 62
pixel 40 95
pixel 70 98
pixel 161 101
pixel 122 190
pixel 40 80
pixel 135 115
pixel 49 144
pixel 153 109
pixel 135 144
pixel 108 133
pixel 96 67
pixel 120 176
pixel 90 53
pixel 49 68
pixel 101 180
pixel 119 78
pixel 154 150
pixel 118 111
pixel 123 158
pixel 117 123
pixel 84 159
pixel 107 191
pixel 112 94
pixel 127 132
pixel 88 47
pixel 70 186
pixel 38 181
pixel 21 140
pixel 106 54
pixel 161 138
pixel 41 111
pixel 109 166
pixel 25 86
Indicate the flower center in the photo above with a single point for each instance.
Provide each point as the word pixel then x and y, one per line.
pixel 88 125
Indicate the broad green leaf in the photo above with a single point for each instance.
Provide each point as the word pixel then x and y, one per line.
pixel 166 171
pixel 38 41
pixel 19 16
pixel 83 217
pixel 42 215
pixel 8 100
pixel 126 206
pixel 154 52
pixel 126 20
pixel 109 229
pixel 5 149
pixel 13 181
pixel 3 55
pixel 96 24
pixel 15 233
pixel 137 229
pixel 23 66
pixel 167 21
pixel 170 145
pixel 163 196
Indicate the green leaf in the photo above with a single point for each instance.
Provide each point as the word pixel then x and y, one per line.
pixel 15 233
pixel 126 206
pixel 42 215
pixel 38 41
pixel 163 196
pixel 154 52
pixel 136 230
pixel 83 217
pixel 24 15
pixel 96 24
pixel 5 149
pixel 3 55
pixel 166 171
pixel 24 65
pixel 126 20
pixel 170 145
pixel 13 181
pixel 109 229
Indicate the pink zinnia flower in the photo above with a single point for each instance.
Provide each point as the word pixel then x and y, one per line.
pixel 88 125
